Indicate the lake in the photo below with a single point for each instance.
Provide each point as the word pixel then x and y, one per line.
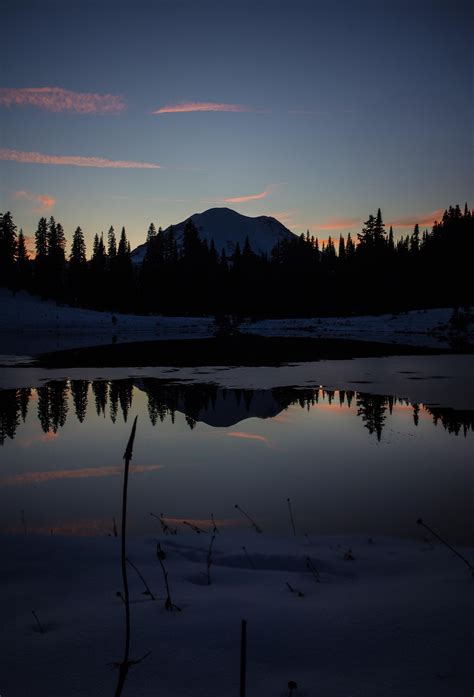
pixel 357 460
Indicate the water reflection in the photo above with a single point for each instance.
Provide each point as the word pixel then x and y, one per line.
pixel 204 403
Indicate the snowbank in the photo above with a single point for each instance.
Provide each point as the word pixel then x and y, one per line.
pixel 395 620
pixel 29 326
pixel 416 328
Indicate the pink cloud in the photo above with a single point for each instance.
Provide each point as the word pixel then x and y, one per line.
pixel 86 472
pixel 249 436
pixel 249 197
pixel 422 220
pixel 187 107
pixel 71 160
pixel 43 201
pixel 57 99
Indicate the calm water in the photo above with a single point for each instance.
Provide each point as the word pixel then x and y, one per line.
pixel 351 462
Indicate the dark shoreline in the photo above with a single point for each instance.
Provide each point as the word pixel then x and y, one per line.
pixel 242 350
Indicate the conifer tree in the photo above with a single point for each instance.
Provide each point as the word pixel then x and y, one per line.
pixel 8 247
pixel 22 265
pixel 111 244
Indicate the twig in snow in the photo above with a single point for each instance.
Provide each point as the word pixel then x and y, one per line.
pixel 256 527
pixel 167 530
pixel 311 567
pixel 147 590
pixel 125 665
pixel 196 529
pixel 40 626
pixel 291 516
pixel 214 526
pixel 438 537
pixel 169 605
pixel 295 590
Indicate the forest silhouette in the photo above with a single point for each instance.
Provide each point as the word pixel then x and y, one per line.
pixel 301 277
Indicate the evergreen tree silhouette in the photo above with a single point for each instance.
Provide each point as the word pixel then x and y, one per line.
pixel 8 249
pixel 9 414
pixel 79 390
pixel 372 409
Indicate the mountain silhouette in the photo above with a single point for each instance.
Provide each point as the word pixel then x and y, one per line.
pixel 227 228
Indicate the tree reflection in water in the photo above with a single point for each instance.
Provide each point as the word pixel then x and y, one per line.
pixel 208 403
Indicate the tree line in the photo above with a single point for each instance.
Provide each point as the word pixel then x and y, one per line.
pixel 301 277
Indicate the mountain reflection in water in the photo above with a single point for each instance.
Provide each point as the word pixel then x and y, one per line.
pixel 207 403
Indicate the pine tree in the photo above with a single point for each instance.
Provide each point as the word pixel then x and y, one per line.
pixel 379 231
pixel 77 270
pixel 111 244
pixel 22 265
pixel 78 249
pixel 41 239
pixel 341 252
pixel 415 240
pixel 151 233
pixel 8 247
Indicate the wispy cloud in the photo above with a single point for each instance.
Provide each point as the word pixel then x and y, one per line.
pixel 249 436
pixel 58 99
pixel 187 107
pixel 422 220
pixel 38 158
pixel 85 473
pixel 43 201
pixel 336 223
pixel 249 197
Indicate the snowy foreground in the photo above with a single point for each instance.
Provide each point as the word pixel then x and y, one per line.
pixel 394 620
pixel 29 326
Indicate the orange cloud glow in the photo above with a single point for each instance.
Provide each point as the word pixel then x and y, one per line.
pixel 38 158
pixel 422 220
pixel 85 473
pixel 187 107
pixel 57 99
pixel 43 201
pixel 336 224
pixel 250 197
pixel 249 436
pixel 43 438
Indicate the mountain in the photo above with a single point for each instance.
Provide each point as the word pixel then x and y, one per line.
pixel 227 227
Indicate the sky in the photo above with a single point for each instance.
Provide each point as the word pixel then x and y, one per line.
pixel 317 113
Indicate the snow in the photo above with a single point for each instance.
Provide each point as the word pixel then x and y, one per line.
pixel 26 322
pixel 396 620
pixel 414 328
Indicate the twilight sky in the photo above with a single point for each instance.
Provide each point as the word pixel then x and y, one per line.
pixel 119 113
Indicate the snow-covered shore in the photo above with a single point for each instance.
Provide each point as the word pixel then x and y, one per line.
pixel 394 621
pixel 29 326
